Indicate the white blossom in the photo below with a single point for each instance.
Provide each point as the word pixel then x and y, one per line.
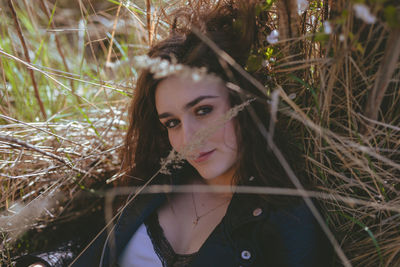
pixel 327 27
pixel 313 18
pixel 272 38
pixel 162 68
pixel 302 6
pixel 127 3
pixel 363 13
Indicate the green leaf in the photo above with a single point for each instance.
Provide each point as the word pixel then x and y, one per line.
pixel 254 63
pixel 392 16
pixel 321 37
pixel 366 229
pixel 310 88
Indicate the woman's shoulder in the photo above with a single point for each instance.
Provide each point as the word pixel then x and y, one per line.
pixel 297 213
pixel 109 245
pixel 285 235
pixel 303 240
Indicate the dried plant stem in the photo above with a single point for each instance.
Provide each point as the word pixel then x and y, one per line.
pixel 385 72
pixel 4 80
pixel 112 34
pixel 39 129
pixel 288 29
pixel 58 45
pixel 288 19
pixel 167 189
pixel 32 67
pixel 148 15
pixel 12 140
pixel 327 4
pixel 21 37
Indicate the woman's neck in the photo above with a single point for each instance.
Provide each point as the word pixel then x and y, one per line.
pixel 224 180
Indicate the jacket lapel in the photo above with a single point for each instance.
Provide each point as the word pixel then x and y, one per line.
pixel 219 249
pixel 243 209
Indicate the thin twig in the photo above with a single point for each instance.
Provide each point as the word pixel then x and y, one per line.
pixel 385 72
pixel 393 127
pixel 112 35
pixel 29 65
pixel 4 80
pixel 148 15
pixel 265 190
pixel 22 39
pixel 34 148
pixel 58 45
pixel 40 129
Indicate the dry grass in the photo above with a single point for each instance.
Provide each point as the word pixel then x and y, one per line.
pixel 339 92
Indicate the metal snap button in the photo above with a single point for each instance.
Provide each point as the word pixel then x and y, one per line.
pixel 246 255
pixel 257 212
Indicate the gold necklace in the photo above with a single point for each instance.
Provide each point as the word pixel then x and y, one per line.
pixel 198 217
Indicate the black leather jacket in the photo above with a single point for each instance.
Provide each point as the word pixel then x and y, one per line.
pixel 250 234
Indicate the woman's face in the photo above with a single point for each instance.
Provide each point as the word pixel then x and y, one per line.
pixel 185 107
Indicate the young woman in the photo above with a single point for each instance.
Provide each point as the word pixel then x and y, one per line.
pixel 188 114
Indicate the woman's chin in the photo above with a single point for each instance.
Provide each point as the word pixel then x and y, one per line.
pixel 216 178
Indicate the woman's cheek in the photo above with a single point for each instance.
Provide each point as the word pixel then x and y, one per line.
pixel 174 141
pixel 229 135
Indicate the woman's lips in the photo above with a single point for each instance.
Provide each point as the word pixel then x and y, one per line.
pixel 204 156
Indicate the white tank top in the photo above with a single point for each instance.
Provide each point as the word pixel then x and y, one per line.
pixel 140 251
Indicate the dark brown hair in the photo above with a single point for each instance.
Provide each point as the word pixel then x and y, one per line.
pixel 232 26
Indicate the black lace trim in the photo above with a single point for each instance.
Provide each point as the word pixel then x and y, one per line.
pixel 162 247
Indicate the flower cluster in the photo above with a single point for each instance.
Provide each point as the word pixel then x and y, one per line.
pixel 174 160
pixel 363 12
pixel 302 6
pixel 162 68
pixel 272 38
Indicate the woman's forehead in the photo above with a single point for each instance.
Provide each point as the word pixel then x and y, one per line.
pixel 181 89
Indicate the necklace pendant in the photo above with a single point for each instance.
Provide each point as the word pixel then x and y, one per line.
pixel 196 221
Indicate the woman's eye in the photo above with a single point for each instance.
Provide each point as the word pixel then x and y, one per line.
pixel 171 123
pixel 203 110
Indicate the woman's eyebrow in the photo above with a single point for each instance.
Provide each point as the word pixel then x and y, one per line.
pixel 188 105
pixel 197 100
pixel 164 115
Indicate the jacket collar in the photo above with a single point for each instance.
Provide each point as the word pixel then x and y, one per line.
pixel 243 209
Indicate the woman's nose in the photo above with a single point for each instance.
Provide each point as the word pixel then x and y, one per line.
pixel 189 129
